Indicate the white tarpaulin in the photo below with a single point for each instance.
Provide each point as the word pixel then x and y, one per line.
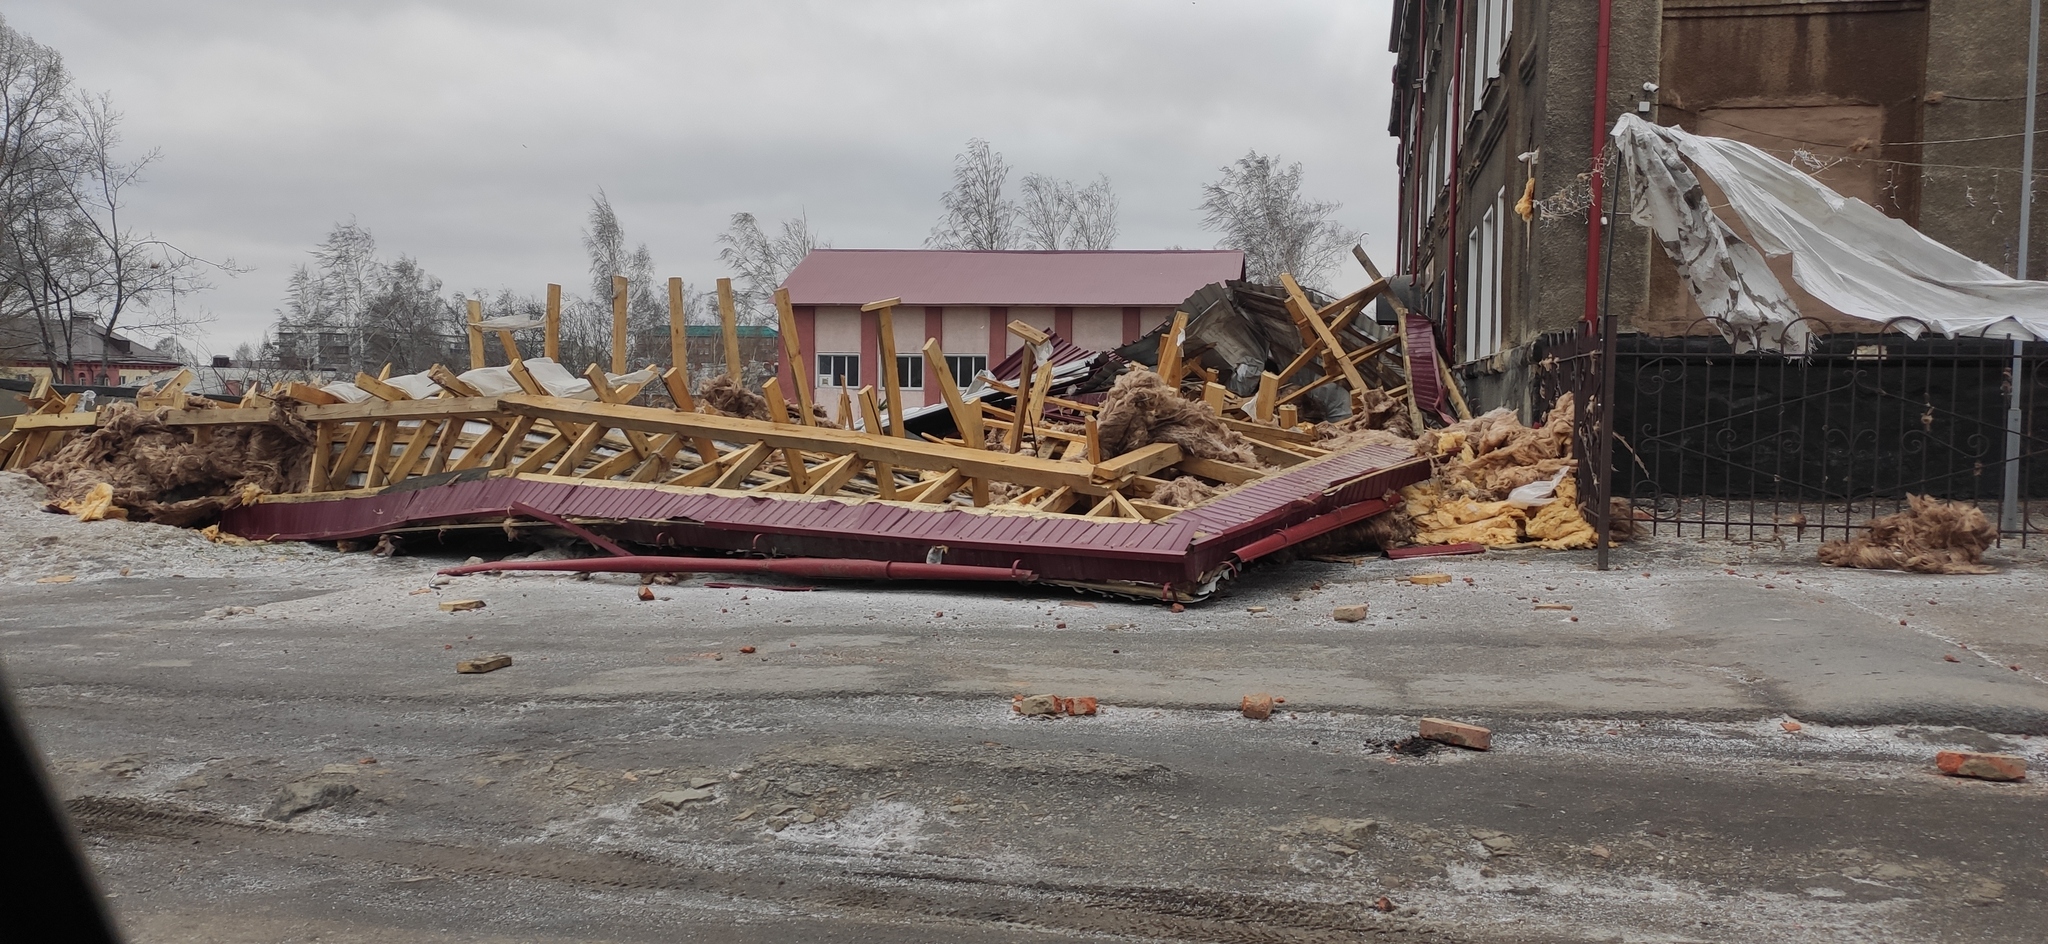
pixel 1843 250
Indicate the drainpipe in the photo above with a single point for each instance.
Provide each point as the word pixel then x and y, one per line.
pixel 2009 507
pixel 1597 209
pixel 1451 242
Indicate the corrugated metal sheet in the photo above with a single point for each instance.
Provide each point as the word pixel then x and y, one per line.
pixel 1110 277
pixel 1177 551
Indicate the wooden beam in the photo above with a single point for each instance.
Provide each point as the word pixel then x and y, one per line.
pixel 1290 416
pixel 793 345
pixel 1225 472
pixel 345 462
pixel 1169 350
pixel 448 381
pixel 678 383
pixel 1307 311
pixel 1262 405
pixel 966 420
pixel 1057 501
pixel 941 488
pixel 621 333
pixel 551 343
pixel 415 448
pixel 1094 441
pixel 833 476
pixel 1273 435
pixel 729 320
pixel 891 384
pixel 1144 461
pixel 1014 439
pixel 871 421
pixel 778 412
pixel 380 389
pixel 476 335
pixel 437 408
pixel 910 454
pixel 323 441
pixel 678 328
pixel 740 465
pixel 307 393
pixel 1028 332
pixel 380 454
pixel 1213 395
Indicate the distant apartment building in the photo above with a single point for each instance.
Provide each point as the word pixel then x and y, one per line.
pixel 85 353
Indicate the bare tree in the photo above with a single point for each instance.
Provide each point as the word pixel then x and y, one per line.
pixel 70 262
pixel 1258 207
pixel 646 303
pixel 1056 214
pixel 760 262
pixel 975 213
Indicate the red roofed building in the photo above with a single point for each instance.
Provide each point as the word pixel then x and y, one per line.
pixel 964 299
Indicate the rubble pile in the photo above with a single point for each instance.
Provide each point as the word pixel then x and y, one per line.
pixel 1500 484
pixel 1931 536
pixel 136 466
pixel 1142 410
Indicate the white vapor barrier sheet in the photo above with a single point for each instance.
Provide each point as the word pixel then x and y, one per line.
pixel 1844 251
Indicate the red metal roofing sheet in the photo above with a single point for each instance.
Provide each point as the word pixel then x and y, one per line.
pixel 1110 277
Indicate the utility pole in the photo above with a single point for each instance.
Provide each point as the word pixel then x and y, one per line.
pixel 2009 506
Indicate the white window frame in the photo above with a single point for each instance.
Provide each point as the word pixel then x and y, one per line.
pixel 906 365
pixel 828 377
pixel 965 367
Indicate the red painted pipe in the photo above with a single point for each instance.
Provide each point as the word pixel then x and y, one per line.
pixel 822 567
pixel 1599 178
pixel 1295 534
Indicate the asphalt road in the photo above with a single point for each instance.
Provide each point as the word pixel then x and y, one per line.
pixel 316 769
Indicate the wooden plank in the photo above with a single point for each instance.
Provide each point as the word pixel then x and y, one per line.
pixel 729 320
pixel 1094 441
pixel 1225 472
pixel 307 393
pixel 1275 435
pixel 884 303
pixel 655 466
pixel 551 343
pixel 792 346
pixel 380 389
pixel 778 412
pixel 415 448
pixel 967 421
pixel 380 454
pixel 579 449
pixel 740 465
pixel 678 328
pixel 602 386
pixel 448 381
pixel 871 420
pixel 351 451
pixel 911 454
pixel 1106 508
pixel 833 476
pixel 545 453
pixel 1297 299
pixel 891 387
pixel 678 383
pixel 1014 439
pixel 1028 332
pixel 1034 405
pixel 439 408
pixel 1213 394
pixel 1153 511
pixel 621 333
pixel 525 379
pixel 1124 509
pixel 1169 350
pixel 941 488
pixel 1276 455
pixel 476 336
pixel 1143 461
pixel 1290 416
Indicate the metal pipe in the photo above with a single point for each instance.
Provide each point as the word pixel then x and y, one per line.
pixel 2009 505
pixel 1599 177
pixel 822 567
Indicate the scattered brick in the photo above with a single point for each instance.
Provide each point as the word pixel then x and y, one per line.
pixel 1383 905
pixel 456 606
pixel 1349 614
pixel 1949 657
pixel 485 664
pixel 746 650
pixel 1456 734
pixel 1257 707
pixel 1429 580
pixel 1981 766
pixel 1036 705
pixel 1792 726
pixel 646 593
pixel 1079 705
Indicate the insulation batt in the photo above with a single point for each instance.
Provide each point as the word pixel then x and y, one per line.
pixel 1481 460
pixel 141 467
pixel 1930 537
pixel 1141 410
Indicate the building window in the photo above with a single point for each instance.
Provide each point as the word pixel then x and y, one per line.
pixel 839 370
pixel 965 366
pixel 910 371
pixel 1484 268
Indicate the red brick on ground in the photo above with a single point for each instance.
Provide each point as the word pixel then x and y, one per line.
pixel 1456 733
pixel 1257 707
pixel 1981 766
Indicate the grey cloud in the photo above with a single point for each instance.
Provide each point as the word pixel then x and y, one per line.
pixel 470 135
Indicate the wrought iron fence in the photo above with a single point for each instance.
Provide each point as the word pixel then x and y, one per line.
pixel 1811 444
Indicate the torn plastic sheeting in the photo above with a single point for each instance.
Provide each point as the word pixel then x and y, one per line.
pixel 1846 253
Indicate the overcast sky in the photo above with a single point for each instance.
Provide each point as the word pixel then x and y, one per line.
pixel 471 135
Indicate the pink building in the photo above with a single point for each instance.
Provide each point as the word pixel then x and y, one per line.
pixel 1098 299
